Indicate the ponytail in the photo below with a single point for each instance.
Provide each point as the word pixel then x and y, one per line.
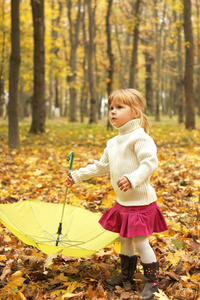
pixel 144 122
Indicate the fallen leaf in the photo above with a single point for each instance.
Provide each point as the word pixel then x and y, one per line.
pixel 7 270
pixel 73 296
pixel 161 295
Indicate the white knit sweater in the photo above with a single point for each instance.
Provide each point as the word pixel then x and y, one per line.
pixel 132 153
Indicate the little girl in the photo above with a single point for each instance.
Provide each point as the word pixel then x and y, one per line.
pixel 130 157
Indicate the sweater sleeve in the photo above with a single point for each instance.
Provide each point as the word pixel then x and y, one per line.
pixel 146 153
pixel 98 168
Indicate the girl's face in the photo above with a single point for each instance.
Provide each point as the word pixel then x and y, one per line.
pixel 120 113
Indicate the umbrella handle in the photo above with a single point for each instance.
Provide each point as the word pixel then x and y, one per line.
pixel 70 155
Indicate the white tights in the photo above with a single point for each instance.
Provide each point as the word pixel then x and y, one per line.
pixel 141 243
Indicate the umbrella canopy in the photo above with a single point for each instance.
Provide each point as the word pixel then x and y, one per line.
pixel 36 223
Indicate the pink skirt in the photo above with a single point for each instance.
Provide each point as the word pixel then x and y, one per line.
pixel 131 221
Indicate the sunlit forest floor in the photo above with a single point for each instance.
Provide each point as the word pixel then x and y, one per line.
pixel 38 171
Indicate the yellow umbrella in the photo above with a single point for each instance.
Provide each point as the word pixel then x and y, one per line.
pixel 53 227
pixel 36 223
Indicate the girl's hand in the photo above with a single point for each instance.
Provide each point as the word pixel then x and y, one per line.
pixel 69 181
pixel 124 184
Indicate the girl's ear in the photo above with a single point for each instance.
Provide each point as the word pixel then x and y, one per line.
pixel 136 114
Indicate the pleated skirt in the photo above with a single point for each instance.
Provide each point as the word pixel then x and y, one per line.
pixel 130 221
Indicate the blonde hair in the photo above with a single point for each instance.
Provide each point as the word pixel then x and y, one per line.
pixel 135 100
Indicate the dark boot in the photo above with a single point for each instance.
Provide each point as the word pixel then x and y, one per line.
pixel 151 281
pixel 128 267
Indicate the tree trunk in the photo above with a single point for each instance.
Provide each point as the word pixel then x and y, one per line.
pixel 148 85
pixel 165 79
pixel 56 93
pixel 133 68
pixel 13 135
pixel 109 49
pixel 50 102
pixel 83 100
pixel 172 67
pixel 149 60
pixel 198 57
pixel 54 52
pixel 93 100
pixel 96 69
pixel 158 65
pixel 159 30
pixel 38 103
pixel 189 65
pixel 179 91
pixel 2 61
pixel 121 73
pixel 74 34
pixel 110 54
pixel 21 101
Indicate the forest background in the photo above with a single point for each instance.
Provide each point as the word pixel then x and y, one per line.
pixel 59 61
pixel 65 57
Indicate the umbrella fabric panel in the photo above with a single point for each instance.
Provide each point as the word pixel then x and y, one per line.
pixel 36 223
pixel 20 217
pixel 20 235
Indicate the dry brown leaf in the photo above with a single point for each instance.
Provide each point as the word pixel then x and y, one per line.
pixel 7 270
pixel 32 262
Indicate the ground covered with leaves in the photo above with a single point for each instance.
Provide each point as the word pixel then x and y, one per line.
pixel 38 171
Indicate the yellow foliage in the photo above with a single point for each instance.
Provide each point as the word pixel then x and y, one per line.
pixel 3 257
pixel 173 258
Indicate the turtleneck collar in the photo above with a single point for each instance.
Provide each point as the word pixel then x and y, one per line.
pixel 129 126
